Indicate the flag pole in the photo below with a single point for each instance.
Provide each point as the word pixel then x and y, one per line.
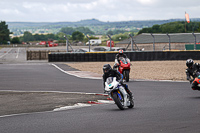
pixel 185 23
pixel 187 19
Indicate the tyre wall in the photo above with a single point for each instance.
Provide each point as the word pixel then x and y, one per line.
pixel 134 56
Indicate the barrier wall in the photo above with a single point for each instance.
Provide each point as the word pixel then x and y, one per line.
pixel 38 55
pixel 191 47
pixel 134 56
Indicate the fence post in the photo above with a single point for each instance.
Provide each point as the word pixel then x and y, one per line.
pixel 67 44
pixel 27 52
pixel 131 41
pixel 153 41
pixel 169 41
pixel 30 55
pixel 110 41
pixel 89 42
pixel 194 41
pixel 38 54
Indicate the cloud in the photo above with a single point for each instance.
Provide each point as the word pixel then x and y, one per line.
pixel 147 2
pixel 104 10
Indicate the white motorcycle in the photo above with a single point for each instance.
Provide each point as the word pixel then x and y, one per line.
pixel 117 92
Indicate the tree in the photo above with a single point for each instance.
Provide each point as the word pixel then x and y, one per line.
pixel 4 33
pixel 37 37
pixel 119 37
pixel 156 28
pixel 61 35
pixel 67 30
pixel 145 30
pixel 77 35
pixel 93 37
pixel 198 28
pixel 172 27
pixel 109 32
pixel 85 30
pixel 70 30
pixel 28 36
pixel 51 37
pixel 15 40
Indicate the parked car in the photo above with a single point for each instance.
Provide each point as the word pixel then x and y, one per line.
pixel 117 49
pixel 108 49
pixel 83 50
pixel 94 42
pixel 101 49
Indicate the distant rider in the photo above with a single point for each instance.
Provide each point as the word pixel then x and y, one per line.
pixel 193 71
pixel 109 72
pixel 117 58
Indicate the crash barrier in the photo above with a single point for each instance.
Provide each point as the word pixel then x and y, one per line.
pixel 38 55
pixel 134 56
pixel 191 47
pixel 79 57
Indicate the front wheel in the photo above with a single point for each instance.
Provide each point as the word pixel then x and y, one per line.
pixel 118 101
pixel 126 76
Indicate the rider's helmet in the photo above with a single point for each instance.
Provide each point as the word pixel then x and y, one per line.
pixel 189 63
pixel 121 52
pixel 106 68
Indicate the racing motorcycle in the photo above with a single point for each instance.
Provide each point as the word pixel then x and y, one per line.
pixel 117 92
pixel 196 82
pixel 124 67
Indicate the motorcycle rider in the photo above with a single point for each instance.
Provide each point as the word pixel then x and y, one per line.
pixel 117 60
pixel 109 72
pixel 193 71
pixel 195 83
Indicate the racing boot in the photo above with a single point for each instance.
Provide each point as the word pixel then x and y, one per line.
pixel 128 91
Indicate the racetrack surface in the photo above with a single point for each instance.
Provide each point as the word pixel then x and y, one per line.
pixel 160 106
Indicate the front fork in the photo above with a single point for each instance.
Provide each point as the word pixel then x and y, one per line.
pixel 125 95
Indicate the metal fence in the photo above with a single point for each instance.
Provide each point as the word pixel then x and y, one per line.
pixel 170 39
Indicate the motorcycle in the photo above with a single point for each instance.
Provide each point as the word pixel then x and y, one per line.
pixel 124 67
pixel 117 92
pixel 196 82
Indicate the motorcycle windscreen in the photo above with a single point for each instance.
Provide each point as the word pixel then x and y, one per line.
pixel 123 60
pixel 109 80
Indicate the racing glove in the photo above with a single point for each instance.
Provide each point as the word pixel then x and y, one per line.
pixel 121 81
pixel 191 80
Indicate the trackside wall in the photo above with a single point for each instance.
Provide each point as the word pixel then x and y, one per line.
pixel 134 56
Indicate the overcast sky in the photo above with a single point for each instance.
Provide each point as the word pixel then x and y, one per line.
pixel 103 10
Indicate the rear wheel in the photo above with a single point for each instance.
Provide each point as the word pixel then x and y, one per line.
pixel 118 101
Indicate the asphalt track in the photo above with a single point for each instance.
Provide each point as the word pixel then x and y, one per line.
pixel 167 107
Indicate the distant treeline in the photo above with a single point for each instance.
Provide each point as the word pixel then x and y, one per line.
pixel 79 33
pixel 173 27
pixel 97 27
pixel 60 37
pixel 70 30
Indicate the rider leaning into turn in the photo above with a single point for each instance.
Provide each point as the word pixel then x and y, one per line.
pixel 192 71
pixel 117 60
pixel 109 72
